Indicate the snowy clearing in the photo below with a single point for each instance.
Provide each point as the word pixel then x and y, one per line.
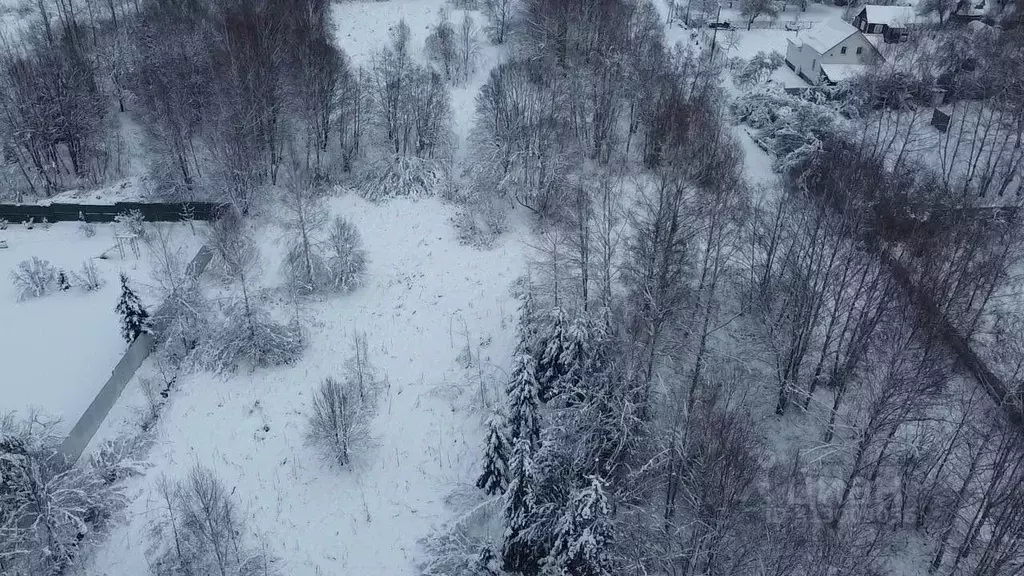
pixel 425 297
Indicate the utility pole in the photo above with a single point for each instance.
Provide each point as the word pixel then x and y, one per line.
pixel 714 35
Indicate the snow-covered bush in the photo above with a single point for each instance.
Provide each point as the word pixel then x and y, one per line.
pixel 88 229
pixel 47 507
pixel 464 548
pixel 322 255
pixel 341 410
pixel 339 419
pixel 481 220
pixel 441 47
pixel 759 68
pixel 346 259
pixel 200 531
pixel 34 278
pixel 88 278
pixel 249 334
pixel 306 218
pixel 305 269
pixel 120 458
pixel 403 176
pixel 791 126
pixel 189 325
pixel 131 222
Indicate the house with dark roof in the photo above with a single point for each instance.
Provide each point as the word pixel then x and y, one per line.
pixel 892 22
pixel 830 52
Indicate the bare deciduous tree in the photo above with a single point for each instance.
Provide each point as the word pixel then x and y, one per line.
pixel 499 18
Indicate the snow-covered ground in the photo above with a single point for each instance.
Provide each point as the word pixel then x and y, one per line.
pixel 57 351
pixel 740 43
pixel 981 145
pixel 425 300
pixel 425 296
pixel 362 29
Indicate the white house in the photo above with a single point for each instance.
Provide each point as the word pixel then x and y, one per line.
pixel 829 52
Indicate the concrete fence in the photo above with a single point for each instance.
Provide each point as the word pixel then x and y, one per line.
pixel 968 359
pixel 151 211
pixel 124 371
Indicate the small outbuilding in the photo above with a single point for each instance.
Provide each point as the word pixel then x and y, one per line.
pixel 969 10
pixel 940 118
pixel 894 23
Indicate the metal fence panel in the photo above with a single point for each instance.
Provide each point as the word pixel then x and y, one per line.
pixel 100 213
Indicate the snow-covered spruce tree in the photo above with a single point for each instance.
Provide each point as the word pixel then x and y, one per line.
pixel 576 359
pixel 519 550
pixel 549 364
pixel 494 477
pixel 134 317
pixel 582 534
pixel 523 402
pixel 526 329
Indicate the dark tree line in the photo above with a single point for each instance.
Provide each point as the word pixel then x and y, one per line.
pixel 231 90
pixel 55 115
pixel 723 385
pixel 224 91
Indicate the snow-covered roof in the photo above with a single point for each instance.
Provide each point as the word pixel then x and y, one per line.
pixel 979 27
pixel 840 72
pixel 826 34
pixel 893 16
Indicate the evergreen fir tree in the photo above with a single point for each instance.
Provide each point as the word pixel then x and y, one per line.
pixel 523 403
pixel 575 360
pixel 494 477
pixel 518 552
pixel 549 367
pixel 583 534
pixel 526 330
pixel 134 318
